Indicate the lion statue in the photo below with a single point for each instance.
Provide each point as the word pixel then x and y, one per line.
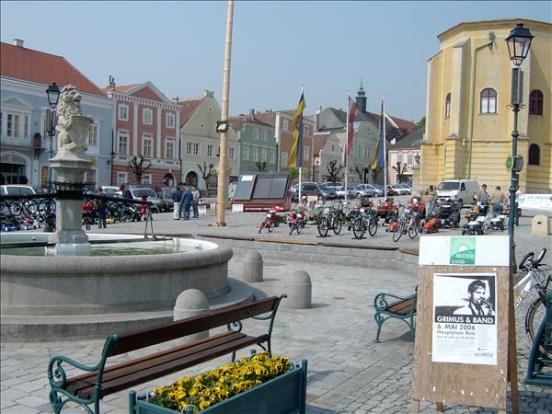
pixel 72 126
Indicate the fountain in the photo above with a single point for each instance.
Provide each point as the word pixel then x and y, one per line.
pixel 69 290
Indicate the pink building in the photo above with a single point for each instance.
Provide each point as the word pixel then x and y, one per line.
pixel 146 123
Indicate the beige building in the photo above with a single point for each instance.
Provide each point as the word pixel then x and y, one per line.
pixel 468 118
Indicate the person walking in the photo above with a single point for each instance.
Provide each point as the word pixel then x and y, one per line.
pixel 482 197
pixel 186 202
pixel 497 199
pixel 195 201
pixel 101 210
pixel 176 197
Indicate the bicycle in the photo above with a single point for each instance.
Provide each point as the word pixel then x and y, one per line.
pixel 269 222
pixel 539 280
pixel 407 224
pixel 367 220
pixel 330 220
pixel 296 221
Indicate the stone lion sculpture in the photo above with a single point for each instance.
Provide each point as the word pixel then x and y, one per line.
pixel 72 126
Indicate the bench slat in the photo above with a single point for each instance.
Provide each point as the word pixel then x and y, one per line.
pixel 185 360
pixel 402 307
pixel 151 336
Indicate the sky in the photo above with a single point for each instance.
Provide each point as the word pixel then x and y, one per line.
pixel 278 47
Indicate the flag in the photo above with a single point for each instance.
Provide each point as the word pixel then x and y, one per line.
pixel 351 114
pixel 295 157
pixel 378 159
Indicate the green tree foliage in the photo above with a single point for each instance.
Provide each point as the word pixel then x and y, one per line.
pixel 261 166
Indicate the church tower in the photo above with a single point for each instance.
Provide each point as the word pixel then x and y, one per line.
pixel 361 99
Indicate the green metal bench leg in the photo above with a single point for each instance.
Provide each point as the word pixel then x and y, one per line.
pixel 379 321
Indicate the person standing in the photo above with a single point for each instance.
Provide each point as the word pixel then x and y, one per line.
pixel 195 201
pixel 101 210
pixel 482 197
pixel 430 199
pixel 176 197
pixel 187 198
pixel 498 198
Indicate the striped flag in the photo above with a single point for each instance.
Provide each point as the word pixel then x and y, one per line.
pixel 351 114
pixel 295 157
pixel 378 159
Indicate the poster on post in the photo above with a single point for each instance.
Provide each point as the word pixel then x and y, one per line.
pixel 464 319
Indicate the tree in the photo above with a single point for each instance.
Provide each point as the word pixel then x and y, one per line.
pixel 376 172
pixel 359 171
pixel 334 171
pixel 421 123
pixel 261 166
pixel 293 172
pixel 400 169
pixel 206 173
pixel 138 166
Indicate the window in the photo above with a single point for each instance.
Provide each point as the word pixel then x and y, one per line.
pixel 209 150
pixel 447 106
pixel 123 112
pixel 245 152
pixel 169 150
pixel 306 153
pixel 122 143
pixel 231 153
pixel 93 136
pixel 400 157
pixel 12 125
pixel 535 102
pixel 25 125
pixel 147 144
pixel 196 148
pixel 254 154
pixel 285 125
pixel 488 101
pixel 255 133
pixel 306 130
pixel 264 135
pixel 189 148
pixel 146 179
pixel 284 159
pixel 147 116
pixel 409 159
pixel 534 154
pixel 122 178
pixel 170 120
pixel 264 155
pixel 271 156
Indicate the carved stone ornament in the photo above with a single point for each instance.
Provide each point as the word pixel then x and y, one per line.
pixel 72 126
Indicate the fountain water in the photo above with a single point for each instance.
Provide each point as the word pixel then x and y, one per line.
pixel 74 293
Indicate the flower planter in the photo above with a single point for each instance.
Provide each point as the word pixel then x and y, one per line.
pixel 284 394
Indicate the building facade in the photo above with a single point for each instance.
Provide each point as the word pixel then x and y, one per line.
pixel 468 118
pixel 326 148
pixel 200 143
pixel 25 146
pixel 258 147
pixel 404 157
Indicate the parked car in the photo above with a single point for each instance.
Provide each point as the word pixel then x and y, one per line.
pixel 334 185
pixel 367 190
pixel 398 189
pixel 166 197
pixel 406 187
pixel 311 189
pixel 16 189
pixel 461 191
pixel 138 192
pixel 351 192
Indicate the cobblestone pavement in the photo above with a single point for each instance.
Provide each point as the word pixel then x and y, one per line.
pixel 348 372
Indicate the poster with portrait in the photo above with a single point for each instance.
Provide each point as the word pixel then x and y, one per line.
pixel 464 318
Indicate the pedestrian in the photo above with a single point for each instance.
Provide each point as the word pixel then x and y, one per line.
pixel 518 210
pixel 186 202
pixel 195 201
pixel 101 210
pixel 176 197
pixel 482 197
pixel 429 199
pixel 497 199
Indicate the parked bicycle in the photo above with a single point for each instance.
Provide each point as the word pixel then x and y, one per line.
pixel 269 222
pixel 330 220
pixel 296 221
pixel 539 280
pixel 407 223
pixel 367 220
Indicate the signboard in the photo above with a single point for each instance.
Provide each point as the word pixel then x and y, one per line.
pixel 464 309
pixel 535 202
pixel 262 191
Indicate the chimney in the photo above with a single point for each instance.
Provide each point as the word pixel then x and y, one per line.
pixel 18 42
pixel 251 114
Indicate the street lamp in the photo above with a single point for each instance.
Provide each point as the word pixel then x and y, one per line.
pixel 519 43
pixel 53 96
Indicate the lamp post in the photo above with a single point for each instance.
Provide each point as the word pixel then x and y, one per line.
pixel 53 96
pixel 519 43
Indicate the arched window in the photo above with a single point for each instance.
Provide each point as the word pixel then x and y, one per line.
pixel 447 106
pixel 535 102
pixel 487 101
pixel 534 154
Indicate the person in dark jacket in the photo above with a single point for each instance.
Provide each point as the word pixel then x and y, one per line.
pixel 176 197
pixel 187 198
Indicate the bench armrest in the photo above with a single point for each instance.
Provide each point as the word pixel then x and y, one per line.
pixel 381 301
pixel 56 372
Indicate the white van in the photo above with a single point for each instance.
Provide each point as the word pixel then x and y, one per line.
pixel 16 189
pixel 461 191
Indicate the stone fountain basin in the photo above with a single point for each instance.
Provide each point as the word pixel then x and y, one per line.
pixel 80 285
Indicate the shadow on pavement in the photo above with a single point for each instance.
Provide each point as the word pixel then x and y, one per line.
pixel 311 409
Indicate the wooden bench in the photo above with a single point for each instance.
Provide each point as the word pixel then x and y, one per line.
pixel 392 306
pixel 89 388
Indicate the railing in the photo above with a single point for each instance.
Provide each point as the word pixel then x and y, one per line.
pixel 34 211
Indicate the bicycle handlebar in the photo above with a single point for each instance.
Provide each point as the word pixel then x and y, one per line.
pixel 528 262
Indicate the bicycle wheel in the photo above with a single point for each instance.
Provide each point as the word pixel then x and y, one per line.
pixel 323 227
pixel 270 226
pixel 337 225
pixel 359 228
pixel 291 228
pixel 261 227
pixel 413 229
pixel 399 232
pixel 373 227
pixel 533 319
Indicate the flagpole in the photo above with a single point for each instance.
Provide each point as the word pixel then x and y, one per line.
pixel 384 153
pixel 346 146
pixel 299 201
pixel 300 156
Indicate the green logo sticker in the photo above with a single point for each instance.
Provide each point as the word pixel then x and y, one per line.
pixel 462 250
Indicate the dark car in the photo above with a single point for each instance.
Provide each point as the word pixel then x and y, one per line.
pixel 312 189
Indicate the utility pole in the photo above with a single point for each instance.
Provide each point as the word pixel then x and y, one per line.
pixel 222 182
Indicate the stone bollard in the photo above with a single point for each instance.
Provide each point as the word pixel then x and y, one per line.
pixel 299 290
pixel 252 267
pixel 191 302
pixel 539 225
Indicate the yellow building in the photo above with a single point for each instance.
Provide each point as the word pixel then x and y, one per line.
pixel 468 118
